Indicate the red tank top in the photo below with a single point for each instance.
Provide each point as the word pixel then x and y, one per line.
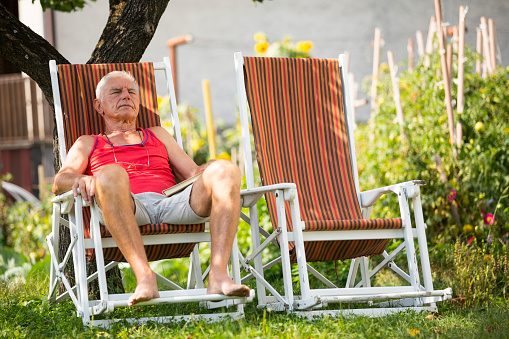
pixel 147 164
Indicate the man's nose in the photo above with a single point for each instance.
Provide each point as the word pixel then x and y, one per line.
pixel 125 94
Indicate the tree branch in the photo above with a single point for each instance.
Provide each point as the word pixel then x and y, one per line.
pixel 27 50
pixel 130 28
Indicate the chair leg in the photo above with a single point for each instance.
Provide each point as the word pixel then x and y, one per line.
pixel 258 264
pixel 194 278
pixel 300 253
pixel 54 237
pixel 364 263
pixel 409 242
pixel 99 256
pixel 352 273
pixel 80 262
pixel 423 244
pixel 285 252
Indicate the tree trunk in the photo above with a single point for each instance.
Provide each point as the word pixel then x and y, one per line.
pixel 130 28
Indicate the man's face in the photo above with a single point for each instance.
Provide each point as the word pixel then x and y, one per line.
pixel 120 99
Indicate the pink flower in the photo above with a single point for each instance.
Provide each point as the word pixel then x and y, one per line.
pixel 489 219
pixel 470 240
pixel 451 195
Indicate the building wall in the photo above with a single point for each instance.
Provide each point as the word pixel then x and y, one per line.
pixel 221 27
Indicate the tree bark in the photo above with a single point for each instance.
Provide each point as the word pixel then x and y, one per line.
pixel 130 28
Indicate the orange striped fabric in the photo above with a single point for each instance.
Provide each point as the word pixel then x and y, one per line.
pixel 300 134
pixel 77 84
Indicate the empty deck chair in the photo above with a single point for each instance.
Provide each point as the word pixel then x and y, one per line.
pixel 305 152
pixel 74 91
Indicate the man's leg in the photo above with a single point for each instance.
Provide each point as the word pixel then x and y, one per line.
pixel 217 193
pixel 113 196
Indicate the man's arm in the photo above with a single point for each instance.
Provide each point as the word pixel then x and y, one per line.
pixel 184 167
pixel 71 174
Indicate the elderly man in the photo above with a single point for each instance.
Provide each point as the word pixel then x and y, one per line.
pixel 126 169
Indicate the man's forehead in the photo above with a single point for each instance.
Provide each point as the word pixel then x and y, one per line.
pixel 120 82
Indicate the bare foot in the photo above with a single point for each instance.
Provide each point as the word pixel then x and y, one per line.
pixel 145 290
pixel 223 284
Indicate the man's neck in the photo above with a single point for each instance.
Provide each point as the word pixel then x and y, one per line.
pixel 122 133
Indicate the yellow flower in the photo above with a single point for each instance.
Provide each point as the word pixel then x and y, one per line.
pixel 196 144
pixel 225 156
pixel 261 47
pixel 413 332
pixel 159 100
pixel 467 229
pixel 166 123
pixel 260 37
pixel 304 46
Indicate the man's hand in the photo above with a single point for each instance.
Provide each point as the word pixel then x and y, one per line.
pixel 202 168
pixel 86 185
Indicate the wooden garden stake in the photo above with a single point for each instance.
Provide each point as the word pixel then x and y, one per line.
pixel 374 77
pixel 445 74
pixel 487 69
pixel 397 98
pixel 455 38
pixel 420 43
pixel 448 54
pixel 461 60
pixel 493 47
pixel 410 49
pixel 429 41
pixel 478 49
pixel 461 71
pixel 210 121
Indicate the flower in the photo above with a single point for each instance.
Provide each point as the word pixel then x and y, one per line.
pixel 470 240
pixel 490 238
pixel 451 195
pixel 225 156
pixel 261 47
pixel 304 46
pixel 467 228
pixel 479 126
pixel 413 332
pixel 260 37
pixel 488 219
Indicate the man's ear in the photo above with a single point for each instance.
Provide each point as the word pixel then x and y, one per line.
pixel 98 106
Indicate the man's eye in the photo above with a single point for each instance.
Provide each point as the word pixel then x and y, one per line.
pixel 132 92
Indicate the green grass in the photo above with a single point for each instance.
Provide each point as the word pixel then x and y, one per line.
pixel 25 314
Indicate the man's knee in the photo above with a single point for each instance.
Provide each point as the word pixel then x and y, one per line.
pixel 221 171
pixel 112 178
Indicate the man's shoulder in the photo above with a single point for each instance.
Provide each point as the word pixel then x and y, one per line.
pixel 85 140
pixel 159 132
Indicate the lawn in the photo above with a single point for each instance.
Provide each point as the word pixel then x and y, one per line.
pixel 25 314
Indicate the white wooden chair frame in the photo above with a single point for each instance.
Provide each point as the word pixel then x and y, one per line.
pixel 67 204
pixel 416 296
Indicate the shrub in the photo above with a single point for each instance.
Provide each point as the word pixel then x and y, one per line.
pixel 476 180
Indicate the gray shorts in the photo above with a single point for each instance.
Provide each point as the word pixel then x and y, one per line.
pixel 155 208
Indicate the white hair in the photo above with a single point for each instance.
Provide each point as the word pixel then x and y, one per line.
pixel 101 86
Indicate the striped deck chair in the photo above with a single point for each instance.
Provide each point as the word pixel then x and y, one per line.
pixel 74 92
pixel 305 152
